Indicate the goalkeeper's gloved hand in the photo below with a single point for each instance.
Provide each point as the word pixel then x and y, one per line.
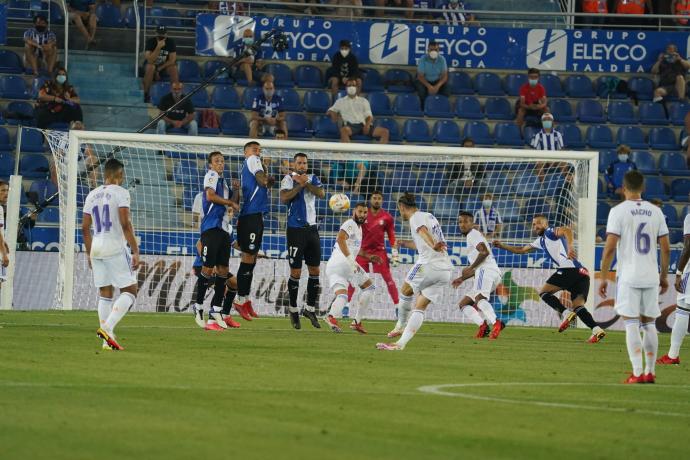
pixel 395 257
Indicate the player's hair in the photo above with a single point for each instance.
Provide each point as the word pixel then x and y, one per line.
pixel 540 216
pixel 432 43
pixel 300 155
pixel 376 192
pixel 466 214
pixel 112 167
pixel 2 182
pixel 633 181
pixel 532 70
pixel 249 144
pixel 279 131
pixel 351 80
pixel 361 204
pixel 209 159
pixel 407 199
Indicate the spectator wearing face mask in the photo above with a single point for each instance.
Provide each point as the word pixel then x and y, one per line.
pixel 532 102
pixel 394 3
pixel 161 59
pixel 83 14
pixel 432 74
pixel 58 102
pixel 356 116
pixel 487 219
pixel 671 69
pixel 251 64
pixel 548 138
pixel 267 113
pixel 617 169
pixel 182 116
pixel 40 46
pixel 454 14
pixel 343 68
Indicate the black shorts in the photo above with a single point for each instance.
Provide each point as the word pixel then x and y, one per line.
pixel 215 247
pixel 250 232
pixel 304 244
pixel 573 280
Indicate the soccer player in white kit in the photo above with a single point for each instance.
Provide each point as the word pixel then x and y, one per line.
pixel 633 229
pixel 427 278
pixel 106 210
pixel 4 249
pixel 342 270
pixel 484 269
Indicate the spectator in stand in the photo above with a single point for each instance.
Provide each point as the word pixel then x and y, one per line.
pixel 616 170
pixel 454 14
pixel 58 101
pixel 348 12
pixel 546 139
pixel 681 8
pixel 40 46
pixel 343 68
pixel 182 116
pixel 598 7
pixel 161 59
pixel 267 113
pixel 465 177
pixel 356 116
pixel 671 69
pixel 533 101
pixel 432 74
pixel 354 175
pixel 487 219
pixel 633 7
pixel 394 3
pixel 83 14
pixel 249 65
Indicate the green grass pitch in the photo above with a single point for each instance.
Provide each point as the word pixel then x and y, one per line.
pixel 266 391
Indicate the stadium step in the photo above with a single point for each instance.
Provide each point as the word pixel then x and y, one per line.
pixel 122 118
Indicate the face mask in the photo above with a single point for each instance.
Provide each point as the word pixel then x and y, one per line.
pixel 41 28
pixel 669 58
pixel 547 124
pixel 623 158
pixel 533 82
pixel 268 92
pixel 487 203
pixel 344 52
pixel 248 40
pixel 351 90
pixel 61 79
pixel 433 54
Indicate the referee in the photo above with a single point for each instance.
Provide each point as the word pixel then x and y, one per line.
pixel 255 182
pixel 299 191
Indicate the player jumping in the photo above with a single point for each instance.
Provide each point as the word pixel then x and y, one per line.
pixel 570 275
pixel 427 278
pixel 633 229
pixel 484 269
pixel 106 208
pixel 342 270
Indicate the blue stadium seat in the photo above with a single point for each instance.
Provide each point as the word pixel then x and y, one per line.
pixel 496 181
pixel 498 108
pixel 652 113
pixel 530 131
pixel 225 97
pixel 600 137
pixel 632 136
pixel 675 235
pixel 24 111
pixel 308 76
pixel 508 209
pixel 561 110
pixel 447 132
pixel 527 184
pixel 460 83
pixel 654 188
pixel 211 67
pixel 645 162
pixel 202 130
pixel 407 105
pixel 673 164
pixel 298 126
pixel 677 111
pixel 446 206
pixel 572 136
pixel 18 9
pixel 437 106
pixel 488 84
pixel 402 180
pixel 187 173
pixel 129 19
pixel 13 87
pixel 603 209
pixel 392 125
pixel 533 206
pixel 248 96
pixel 513 82
pixel 234 123
pixel 44 188
pixel 643 86
pixel 468 107
pixel 603 85
pixel 380 104
pixel 6 164
pixel 316 101
pixel 606 157
pixel 6 143
pixel 200 98
pixel 434 181
pixel 158 90
pixel 590 111
pixel 10 62
pixel 622 113
pixel 601 233
pixel 32 141
pixel 662 138
pixel 479 132
pixel 188 71
pixel 579 86
pixel 164 17
pixel 50 215
pixel 372 81
pixel 552 85
pixel 188 195
pixel 398 81
pixel 508 134
pixel 325 128
pixel 680 189
pixel 108 15
pixel 291 102
pixel 37 84
pixel 671 215
pixel 34 166
pixel 416 130
pixel 282 74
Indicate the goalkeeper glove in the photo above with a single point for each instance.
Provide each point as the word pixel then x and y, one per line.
pixel 395 257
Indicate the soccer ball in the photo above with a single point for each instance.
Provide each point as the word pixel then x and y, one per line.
pixel 339 203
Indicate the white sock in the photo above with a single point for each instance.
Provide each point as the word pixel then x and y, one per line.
pixel 472 314
pixel 680 328
pixel 239 300
pixel 339 302
pixel 488 311
pixel 404 309
pixel 413 325
pixel 120 309
pixel 634 343
pixel 364 299
pixel 650 345
pixel 104 306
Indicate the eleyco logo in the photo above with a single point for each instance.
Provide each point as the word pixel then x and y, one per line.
pixel 389 43
pixel 547 49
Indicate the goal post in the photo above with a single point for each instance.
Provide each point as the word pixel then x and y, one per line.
pixel 561 184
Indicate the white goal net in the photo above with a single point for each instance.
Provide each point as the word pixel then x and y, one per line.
pixel 164 174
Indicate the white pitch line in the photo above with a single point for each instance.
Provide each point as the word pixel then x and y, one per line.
pixel 439 390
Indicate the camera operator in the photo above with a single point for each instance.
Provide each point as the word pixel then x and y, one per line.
pixel 671 68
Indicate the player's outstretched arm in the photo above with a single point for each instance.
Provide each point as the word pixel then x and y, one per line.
pixel 606 261
pixel 128 232
pixel 514 249
pixel 567 233
pixel 665 247
pixel 86 235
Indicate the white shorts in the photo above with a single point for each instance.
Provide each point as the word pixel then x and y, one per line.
pixel 340 274
pixel 114 271
pixel 428 281
pixel 634 302
pixel 485 281
pixel 684 297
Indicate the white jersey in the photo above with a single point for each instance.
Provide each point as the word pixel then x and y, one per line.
pixel 103 205
pixel 474 239
pixel 2 221
pixel 686 233
pixel 354 240
pixel 638 224
pixel 427 255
